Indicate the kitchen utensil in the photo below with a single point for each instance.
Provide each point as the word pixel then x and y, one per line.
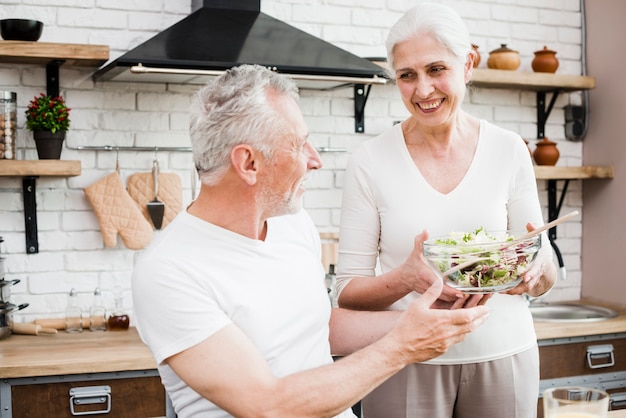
pixel 31 329
pixel 20 29
pixel 5 287
pixel 6 317
pixel 481 262
pixel 545 227
pixel 141 189
pixel 56 323
pixel 156 208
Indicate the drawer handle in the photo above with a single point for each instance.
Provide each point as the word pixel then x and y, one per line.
pixel 618 400
pixel 90 395
pixel 595 352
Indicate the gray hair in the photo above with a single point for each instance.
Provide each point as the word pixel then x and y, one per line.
pixel 233 110
pixel 438 20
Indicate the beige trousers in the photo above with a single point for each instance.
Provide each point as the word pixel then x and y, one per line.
pixel 505 388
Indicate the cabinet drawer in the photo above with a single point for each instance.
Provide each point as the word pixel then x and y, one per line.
pixel 128 394
pixel 591 356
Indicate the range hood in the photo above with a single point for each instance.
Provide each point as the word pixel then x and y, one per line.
pixel 221 34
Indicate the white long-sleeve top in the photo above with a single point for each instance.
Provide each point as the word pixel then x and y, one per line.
pixel 387 202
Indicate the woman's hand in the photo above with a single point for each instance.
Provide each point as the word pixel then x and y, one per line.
pixel 419 274
pixel 541 275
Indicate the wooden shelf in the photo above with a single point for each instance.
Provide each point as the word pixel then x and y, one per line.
pixel 39 168
pixel 573 173
pixel 504 79
pixel 22 52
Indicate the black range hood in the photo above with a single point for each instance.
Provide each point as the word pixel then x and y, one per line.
pixel 224 33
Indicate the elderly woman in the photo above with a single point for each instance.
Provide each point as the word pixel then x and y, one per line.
pixel 442 170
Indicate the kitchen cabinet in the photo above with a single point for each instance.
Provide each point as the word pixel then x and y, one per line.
pixel 597 361
pixel 119 395
pixel 591 354
pixel 51 375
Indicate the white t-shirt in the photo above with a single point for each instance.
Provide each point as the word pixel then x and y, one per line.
pixel 196 278
pixel 387 202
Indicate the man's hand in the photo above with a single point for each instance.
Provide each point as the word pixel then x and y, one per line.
pixel 427 333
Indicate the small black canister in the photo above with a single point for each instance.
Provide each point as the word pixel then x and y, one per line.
pixel 8 121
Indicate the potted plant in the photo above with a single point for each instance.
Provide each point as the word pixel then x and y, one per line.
pixel 49 119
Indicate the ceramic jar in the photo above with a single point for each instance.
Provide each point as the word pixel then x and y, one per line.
pixel 545 61
pixel 477 59
pixel 503 58
pixel 546 152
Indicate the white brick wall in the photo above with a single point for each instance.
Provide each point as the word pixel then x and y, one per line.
pixel 71 248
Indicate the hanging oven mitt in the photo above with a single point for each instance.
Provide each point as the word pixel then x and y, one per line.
pixel 141 189
pixel 117 213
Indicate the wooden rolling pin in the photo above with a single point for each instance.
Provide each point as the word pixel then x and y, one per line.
pixel 59 323
pixel 31 329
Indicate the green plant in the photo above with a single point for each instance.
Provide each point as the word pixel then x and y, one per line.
pixel 46 113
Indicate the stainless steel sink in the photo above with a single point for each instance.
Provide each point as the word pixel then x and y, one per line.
pixel 569 312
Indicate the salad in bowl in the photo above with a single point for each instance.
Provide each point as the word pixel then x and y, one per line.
pixel 482 261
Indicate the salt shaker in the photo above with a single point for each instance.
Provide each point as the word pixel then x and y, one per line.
pixel 97 312
pixel 73 314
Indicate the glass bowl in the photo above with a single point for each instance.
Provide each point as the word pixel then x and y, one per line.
pixel 481 261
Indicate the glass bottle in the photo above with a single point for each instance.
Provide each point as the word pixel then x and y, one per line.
pixel 118 320
pixel 73 314
pixel 97 312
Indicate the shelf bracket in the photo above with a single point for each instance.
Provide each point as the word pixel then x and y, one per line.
pixel 553 207
pixel 29 190
pixel 52 77
pixel 360 99
pixel 543 112
pixel 553 213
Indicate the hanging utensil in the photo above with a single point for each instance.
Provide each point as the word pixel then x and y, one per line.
pixel 156 208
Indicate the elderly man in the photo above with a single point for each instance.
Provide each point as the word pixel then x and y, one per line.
pixel 230 297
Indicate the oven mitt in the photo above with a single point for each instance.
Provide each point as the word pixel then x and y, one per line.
pixel 141 189
pixel 117 213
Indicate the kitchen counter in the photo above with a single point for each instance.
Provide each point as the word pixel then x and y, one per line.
pixel 549 330
pixel 63 353
pixel 617 414
pixel 113 351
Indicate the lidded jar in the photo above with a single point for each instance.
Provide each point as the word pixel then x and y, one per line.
pixel 8 124
pixel 503 58
pixel 546 152
pixel 545 61
pixel 118 320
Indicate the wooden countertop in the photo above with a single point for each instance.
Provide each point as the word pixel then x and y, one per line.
pixel 63 353
pixel 549 330
pixel 617 414
pixel 113 351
